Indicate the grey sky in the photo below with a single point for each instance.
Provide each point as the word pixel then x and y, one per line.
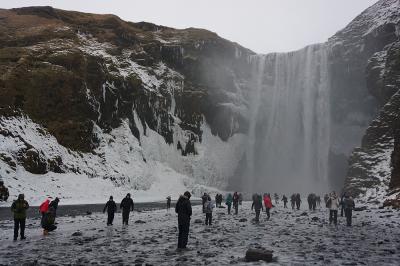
pixel 261 25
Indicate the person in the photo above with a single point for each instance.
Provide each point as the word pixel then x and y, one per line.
pixel 228 202
pixel 240 198
pixel 216 200
pixel 349 205
pixel 235 201
pixel 267 204
pixel 220 199
pixel 341 204
pixel 203 201
pixel 48 220
pixel 44 207
pixel 298 201
pixel 111 208
pixel 168 203
pixel 326 198
pixel 4 194
pixel 183 208
pixel 319 201
pixel 276 196
pixel 54 205
pixel 312 201
pixel 333 204
pixel 126 206
pixel 285 200
pixel 258 206
pixel 293 200
pixel 309 200
pixel 209 211
pixel 19 208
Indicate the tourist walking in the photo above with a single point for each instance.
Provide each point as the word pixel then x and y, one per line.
pixel 183 208
pixel 235 201
pixel 285 200
pixel 267 204
pixel 333 205
pixel 111 208
pixel 126 206
pixel 19 208
pixel 257 206
pixel 293 200
pixel 349 206
pixel 298 201
pixel 228 202
pixel 168 203
pixel 209 210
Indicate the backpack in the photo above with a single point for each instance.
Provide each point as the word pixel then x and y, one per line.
pixel 328 203
pixel 209 207
pixel 44 207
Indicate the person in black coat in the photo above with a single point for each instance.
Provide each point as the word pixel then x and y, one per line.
pixel 126 206
pixel 54 205
pixel 111 208
pixel 184 210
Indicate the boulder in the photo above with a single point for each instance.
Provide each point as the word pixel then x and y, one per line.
pixel 77 233
pixel 359 209
pixel 198 221
pixel 258 254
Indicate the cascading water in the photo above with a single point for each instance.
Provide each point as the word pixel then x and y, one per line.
pixel 289 132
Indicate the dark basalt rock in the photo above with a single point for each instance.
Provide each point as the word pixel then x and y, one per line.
pixel 33 162
pixel 258 255
pixel 77 234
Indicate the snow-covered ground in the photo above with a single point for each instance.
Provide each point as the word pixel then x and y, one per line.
pixel 296 237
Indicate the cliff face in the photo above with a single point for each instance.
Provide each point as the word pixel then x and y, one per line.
pixel 373 167
pixel 77 76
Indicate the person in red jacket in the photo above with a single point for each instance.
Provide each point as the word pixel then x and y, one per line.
pixel 267 204
pixel 44 207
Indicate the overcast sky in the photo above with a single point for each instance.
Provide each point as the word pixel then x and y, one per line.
pixel 261 25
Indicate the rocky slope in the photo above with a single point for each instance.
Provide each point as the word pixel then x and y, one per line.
pixel 373 167
pixel 75 84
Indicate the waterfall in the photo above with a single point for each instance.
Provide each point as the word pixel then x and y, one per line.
pixel 289 130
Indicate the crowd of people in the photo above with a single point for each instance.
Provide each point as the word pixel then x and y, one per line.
pixel 183 208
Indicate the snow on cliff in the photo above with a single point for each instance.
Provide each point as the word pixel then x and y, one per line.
pixel 150 170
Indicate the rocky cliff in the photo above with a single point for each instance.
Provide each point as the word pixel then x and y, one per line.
pixel 77 77
pixel 373 167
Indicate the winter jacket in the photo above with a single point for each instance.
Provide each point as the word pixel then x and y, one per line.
pixel 110 206
pixel 257 204
pixel 267 202
pixel 48 218
pixel 209 206
pixel 19 208
pixel 44 207
pixel 127 204
pixel 229 200
pixel 54 204
pixel 348 203
pixel 183 208
pixel 235 199
pixel 333 202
